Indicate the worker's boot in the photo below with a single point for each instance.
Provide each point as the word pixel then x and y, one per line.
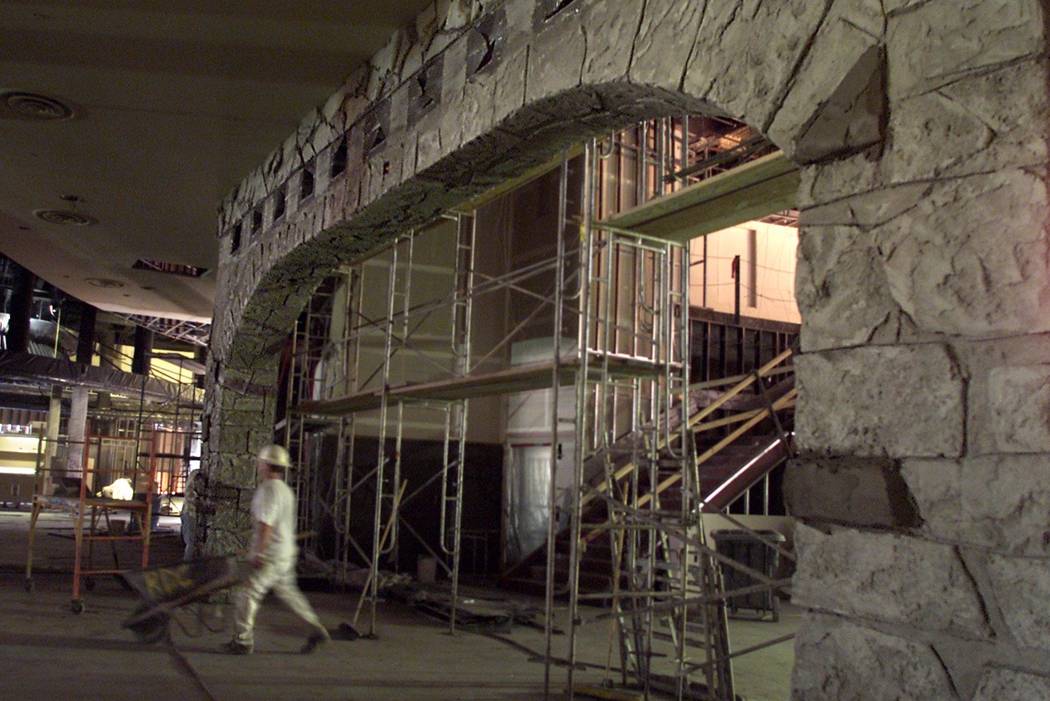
pixel 314 641
pixel 236 647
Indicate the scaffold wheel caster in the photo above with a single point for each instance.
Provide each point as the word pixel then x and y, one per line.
pixel 89 583
pixel 29 585
pixel 76 606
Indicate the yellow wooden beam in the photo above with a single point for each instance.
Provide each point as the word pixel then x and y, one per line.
pixel 750 191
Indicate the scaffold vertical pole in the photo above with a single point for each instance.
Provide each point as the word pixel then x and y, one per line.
pixel 380 477
pixel 582 397
pixel 552 494
pixel 456 413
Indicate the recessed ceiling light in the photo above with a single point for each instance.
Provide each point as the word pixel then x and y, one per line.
pixel 105 282
pixel 65 217
pixel 37 107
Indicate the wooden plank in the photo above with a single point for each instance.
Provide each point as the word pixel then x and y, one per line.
pixel 521 378
pixel 763 186
pixel 782 403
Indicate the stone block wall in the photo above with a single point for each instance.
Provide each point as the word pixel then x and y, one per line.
pixel 920 127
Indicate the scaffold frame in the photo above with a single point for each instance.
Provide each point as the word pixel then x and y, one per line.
pixel 667 599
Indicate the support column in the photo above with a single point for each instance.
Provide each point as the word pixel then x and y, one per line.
pixel 54 420
pixel 21 311
pixel 107 348
pixel 86 338
pixel 77 431
pixel 103 426
pixel 201 356
pixel 143 348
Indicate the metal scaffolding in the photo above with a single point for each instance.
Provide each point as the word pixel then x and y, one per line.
pixel 619 314
pixel 150 444
pixel 347 374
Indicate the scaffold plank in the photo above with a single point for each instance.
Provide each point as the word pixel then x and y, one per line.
pixel 521 378
pixel 753 190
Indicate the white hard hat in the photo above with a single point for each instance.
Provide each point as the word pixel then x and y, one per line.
pixel 275 455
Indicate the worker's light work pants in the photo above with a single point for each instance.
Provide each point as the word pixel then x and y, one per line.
pixel 280 579
pixel 189 535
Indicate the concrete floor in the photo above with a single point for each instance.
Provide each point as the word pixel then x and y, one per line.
pixel 51 653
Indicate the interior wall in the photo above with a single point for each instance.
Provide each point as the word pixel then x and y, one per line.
pixel 767 281
pixel 421 460
pixel 430 357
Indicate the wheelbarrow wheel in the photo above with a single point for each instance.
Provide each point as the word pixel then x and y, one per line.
pixel 77 606
pixel 153 629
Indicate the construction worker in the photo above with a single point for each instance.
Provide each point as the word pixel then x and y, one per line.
pixel 272 556
pixel 195 487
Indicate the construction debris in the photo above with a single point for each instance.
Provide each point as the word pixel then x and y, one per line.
pixel 474 614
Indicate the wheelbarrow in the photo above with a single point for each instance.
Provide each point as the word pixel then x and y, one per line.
pixel 164 589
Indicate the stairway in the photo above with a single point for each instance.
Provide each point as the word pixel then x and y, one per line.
pixel 727 468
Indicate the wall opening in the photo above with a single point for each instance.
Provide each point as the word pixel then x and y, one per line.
pixel 235 237
pixel 306 183
pixel 363 331
pixel 338 159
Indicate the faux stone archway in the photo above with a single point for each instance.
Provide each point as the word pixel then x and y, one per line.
pixel 919 125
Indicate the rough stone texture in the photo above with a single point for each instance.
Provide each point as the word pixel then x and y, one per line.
pixel 955 264
pixel 945 40
pixel 1002 684
pixel 838 661
pixel 886 577
pixel 972 131
pixel 1022 589
pixel 828 109
pixel 998 501
pixel 843 298
pixel 898 401
pixel 1019 399
pixel 1009 404
pixel 973 272
pixel 668 27
pixel 868 493
pixel 852 117
pixel 727 41
pixel 827 182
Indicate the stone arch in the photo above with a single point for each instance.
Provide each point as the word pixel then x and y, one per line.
pixel 903 118
pixel 497 123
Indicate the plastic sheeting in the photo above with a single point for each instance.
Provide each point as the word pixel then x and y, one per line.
pixel 528 483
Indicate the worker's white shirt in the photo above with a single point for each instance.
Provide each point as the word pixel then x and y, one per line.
pixel 274 505
pixel 189 502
